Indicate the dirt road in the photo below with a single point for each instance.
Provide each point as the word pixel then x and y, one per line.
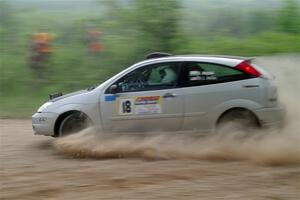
pixel 268 168
pixel 32 169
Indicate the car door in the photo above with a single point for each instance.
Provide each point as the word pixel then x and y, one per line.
pixel 146 99
pixel 208 85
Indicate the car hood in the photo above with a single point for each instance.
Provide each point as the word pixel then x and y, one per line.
pixel 69 95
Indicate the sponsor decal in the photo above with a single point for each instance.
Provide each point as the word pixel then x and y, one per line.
pixel 148 105
pixel 202 76
pixel 141 105
pixel 208 73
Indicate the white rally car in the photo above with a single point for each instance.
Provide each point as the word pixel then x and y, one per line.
pixel 168 93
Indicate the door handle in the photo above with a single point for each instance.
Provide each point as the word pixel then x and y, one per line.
pixel 169 95
pixel 250 86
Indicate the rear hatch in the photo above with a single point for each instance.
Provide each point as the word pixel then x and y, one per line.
pixel 267 79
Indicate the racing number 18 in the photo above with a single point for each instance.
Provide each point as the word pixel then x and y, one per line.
pixel 126 107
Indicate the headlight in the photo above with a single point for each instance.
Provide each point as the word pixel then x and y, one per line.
pixel 44 106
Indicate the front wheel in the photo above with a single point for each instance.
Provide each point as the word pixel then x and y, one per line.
pixel 73 123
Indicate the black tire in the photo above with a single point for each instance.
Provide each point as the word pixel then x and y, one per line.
pixel 73 123
pixel 237 120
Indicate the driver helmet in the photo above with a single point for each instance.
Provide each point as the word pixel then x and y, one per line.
pixel 169 76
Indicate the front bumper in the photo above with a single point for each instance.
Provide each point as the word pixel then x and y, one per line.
pixel 273 116
pixel 43 123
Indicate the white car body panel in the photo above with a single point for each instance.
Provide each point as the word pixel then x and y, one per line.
pixel 171 113
pixel 191 108
pixel 203 101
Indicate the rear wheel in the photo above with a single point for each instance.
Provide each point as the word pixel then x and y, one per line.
pixel 73 123
pixel 237 120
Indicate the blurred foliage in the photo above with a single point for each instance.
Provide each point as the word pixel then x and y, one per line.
pixel 289 17
pixel 130 30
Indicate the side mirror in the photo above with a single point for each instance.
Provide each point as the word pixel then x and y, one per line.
pixel 113 89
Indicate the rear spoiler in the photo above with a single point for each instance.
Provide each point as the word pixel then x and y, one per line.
pixel 250 59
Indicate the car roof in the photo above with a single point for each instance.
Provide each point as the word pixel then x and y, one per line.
pixel 214 56
pixel 202 56
pixel 218 59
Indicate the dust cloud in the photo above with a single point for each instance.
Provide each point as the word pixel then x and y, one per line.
pixel 264 147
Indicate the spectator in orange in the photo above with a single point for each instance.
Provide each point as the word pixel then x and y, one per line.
pixel 94 44
pixel 41 49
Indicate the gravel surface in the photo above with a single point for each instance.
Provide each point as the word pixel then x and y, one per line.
pixel 32 169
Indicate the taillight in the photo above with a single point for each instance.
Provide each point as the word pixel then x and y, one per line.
pixel 246 67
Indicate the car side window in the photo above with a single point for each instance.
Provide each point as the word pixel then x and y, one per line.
pixel 150 77
pixel 198 73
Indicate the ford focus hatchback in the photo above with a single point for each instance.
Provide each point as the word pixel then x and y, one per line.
pixel 168 93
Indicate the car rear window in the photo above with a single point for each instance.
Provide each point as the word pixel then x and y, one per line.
pixel 219 70
pixel 198 73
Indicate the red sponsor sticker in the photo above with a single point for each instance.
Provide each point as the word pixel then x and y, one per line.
pixel 150 98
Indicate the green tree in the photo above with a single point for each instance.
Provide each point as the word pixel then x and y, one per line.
pixel 154 24
pixel 289 17
pixel 7 21
pixel 157 23
pixel 6 17
pixel 260 21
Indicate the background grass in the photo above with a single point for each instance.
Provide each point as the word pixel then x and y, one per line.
pixel 128 35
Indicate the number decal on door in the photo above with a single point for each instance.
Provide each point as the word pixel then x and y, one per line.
pixel 141 105
pixel 126 106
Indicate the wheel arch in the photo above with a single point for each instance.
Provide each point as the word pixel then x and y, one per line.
pixel 223 114
pixel 62 116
